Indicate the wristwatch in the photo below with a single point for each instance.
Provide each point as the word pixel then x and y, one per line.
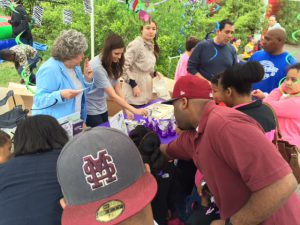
pixel 227 222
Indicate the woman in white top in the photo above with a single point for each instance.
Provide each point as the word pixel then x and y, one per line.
pixel 107 68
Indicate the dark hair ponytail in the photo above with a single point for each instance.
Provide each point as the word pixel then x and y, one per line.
pixel 148 144
pixel 156 47
pixel 241 77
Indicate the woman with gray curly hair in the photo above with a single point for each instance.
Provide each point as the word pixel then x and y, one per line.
pixel 61 87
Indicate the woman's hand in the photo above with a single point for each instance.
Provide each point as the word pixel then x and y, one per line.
pixel 136 91
pixel 129 114
pixel 141 112
pixel 258 94
pixel 69 93
pixel 87 71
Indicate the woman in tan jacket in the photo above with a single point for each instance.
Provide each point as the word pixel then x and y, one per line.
pixel 139 69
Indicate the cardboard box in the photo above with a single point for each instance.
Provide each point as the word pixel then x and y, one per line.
pixel 113 107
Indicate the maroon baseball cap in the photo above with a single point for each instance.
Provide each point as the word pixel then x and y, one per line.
pixel 103 178
pixel 190 87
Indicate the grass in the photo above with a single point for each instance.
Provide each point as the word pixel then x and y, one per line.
pixel 8 73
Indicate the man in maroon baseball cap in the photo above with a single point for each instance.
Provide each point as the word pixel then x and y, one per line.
pixel 250 181
pixel 191 87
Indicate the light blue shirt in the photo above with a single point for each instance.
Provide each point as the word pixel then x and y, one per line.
pixel 51 79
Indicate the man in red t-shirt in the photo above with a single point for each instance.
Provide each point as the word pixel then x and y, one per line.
pixel 251 182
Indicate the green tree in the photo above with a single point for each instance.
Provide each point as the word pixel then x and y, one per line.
pixel 112 16
pixel 287 17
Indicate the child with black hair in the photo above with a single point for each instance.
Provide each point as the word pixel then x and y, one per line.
pixel 235 85
pixel 5 147
pixel 181 69
pixel 148 143
pixel 215 90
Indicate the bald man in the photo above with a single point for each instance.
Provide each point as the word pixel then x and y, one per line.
pixel 274 60
pixel 273 24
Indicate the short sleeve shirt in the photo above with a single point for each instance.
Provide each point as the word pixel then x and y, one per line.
pixel 96 98
pixel 275 67
pixel 236 159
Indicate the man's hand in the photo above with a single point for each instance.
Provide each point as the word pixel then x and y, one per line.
pixel 87 71
pixel 136 91
pixel 69 93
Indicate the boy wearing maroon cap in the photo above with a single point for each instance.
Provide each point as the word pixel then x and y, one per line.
pixel 251 182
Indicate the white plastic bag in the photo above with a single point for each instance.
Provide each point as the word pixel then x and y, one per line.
pixel 160 88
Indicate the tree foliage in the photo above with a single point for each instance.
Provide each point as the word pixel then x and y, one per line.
pixel 172 16
pixel 288 19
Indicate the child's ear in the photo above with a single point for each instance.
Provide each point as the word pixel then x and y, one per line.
pixel 229 91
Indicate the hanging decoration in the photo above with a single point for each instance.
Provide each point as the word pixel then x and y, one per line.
pixel 67 16
pixel 190 10
pixel 217 27
pixel 4 3
pixel 295 33
pixel 26 77
pixel 136 6
pixel 144 16
pixel 18 41
pixel 37 15
pixel 87 6
pixel 213 8
pixel 12 7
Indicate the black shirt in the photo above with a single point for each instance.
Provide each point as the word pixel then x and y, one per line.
pixel 261 113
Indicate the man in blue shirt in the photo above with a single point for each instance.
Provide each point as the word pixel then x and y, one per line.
pixel 274 60
pixel 211 57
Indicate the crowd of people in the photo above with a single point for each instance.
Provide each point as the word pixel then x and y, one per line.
pixel 222 168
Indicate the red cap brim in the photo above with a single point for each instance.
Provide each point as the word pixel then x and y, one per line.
pixel 135 198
